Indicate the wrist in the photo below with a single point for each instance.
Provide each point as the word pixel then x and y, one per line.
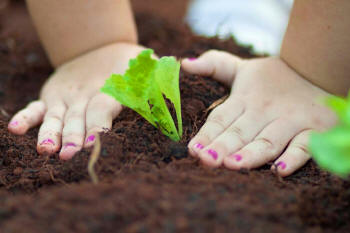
pixel 316 43
pixel 104 56
pixel 319 74
pixel 104 48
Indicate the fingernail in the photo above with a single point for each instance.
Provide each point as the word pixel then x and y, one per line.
pixel 198 146
pixel 91 138
pixel 47 141
pixel 192 59
pixel 282 165
pixel 13 123
pixel 237 157
pixel 213 154
pixel 69 144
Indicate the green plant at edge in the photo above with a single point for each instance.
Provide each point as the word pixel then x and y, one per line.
pixel 143 86
pixel 331 150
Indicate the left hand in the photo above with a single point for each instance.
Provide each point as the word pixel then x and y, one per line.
pixel 71 109
pixel 268 116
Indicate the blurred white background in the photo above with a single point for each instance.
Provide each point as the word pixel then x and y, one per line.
pixel 260 23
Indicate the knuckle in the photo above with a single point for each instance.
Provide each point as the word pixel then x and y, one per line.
pixel 49 133
pixel 73 136
pixel 114 111
pixel 55 112
pixel 73 115
pixel 254 111
pixel 220 145
pixel 294 117
pixel 300 148
pixel 265 104
pixel 97 102
pixel 97 129
pixel 317 122
pixel 57 108
pixel 22 113
pixel 36 104
pixel 104 108
pixel 237 102
pixel 203 136
pixel 267 143
pixel 213 52
pixel 218 120
pixel 216 116
pixel 237 132
pixel 322 121
pixel 52 116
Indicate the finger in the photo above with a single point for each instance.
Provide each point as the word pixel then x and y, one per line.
pixel 49 138
pixel 268 145
pixel 237 135
pixel 27 118
pixel 100 113
pixel 222 66
pixel 295 156
pixel 73 133
pixel 218 120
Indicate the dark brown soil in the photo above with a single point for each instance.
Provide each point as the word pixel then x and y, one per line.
pixel 147 183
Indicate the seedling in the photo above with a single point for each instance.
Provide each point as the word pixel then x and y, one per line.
pixel 143 87
pixel 331 150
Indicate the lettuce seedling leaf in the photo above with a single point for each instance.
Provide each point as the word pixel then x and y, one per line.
pixel 167 76
pixel 142 87
pixel 331 150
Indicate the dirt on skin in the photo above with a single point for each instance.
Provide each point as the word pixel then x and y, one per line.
pixel 147 183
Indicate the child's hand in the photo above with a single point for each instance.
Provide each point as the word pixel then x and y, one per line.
pixel 268 116
pixel 71 106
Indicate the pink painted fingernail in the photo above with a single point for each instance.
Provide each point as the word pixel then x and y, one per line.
pixel 282 165
pixel 213 154
pixel 47 141
pixel 192 59
pixel 237 157
pixel 91 138
pixel 198 146
pixel 13 123
pixel 69 144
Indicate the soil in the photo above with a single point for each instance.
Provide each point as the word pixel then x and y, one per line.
pixel 147 183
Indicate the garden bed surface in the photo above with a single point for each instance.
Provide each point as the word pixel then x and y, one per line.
pixel 147 183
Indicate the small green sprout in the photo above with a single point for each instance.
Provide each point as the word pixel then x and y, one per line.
pixel 143 86
pixel 331 150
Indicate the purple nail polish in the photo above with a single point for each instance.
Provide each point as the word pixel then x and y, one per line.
pixel 213 154
pixel 69 144
pixel 91 138
pixel 192 59
pixel 47 141
pixel 282 165
pixel 198 146
pixel 237 157
pixel 13 123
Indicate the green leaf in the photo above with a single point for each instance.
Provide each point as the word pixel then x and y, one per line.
pixel 341 107
pixel 331 150
pixel 167 76
pixel 142 87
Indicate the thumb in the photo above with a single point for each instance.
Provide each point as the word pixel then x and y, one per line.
pixel 222 66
